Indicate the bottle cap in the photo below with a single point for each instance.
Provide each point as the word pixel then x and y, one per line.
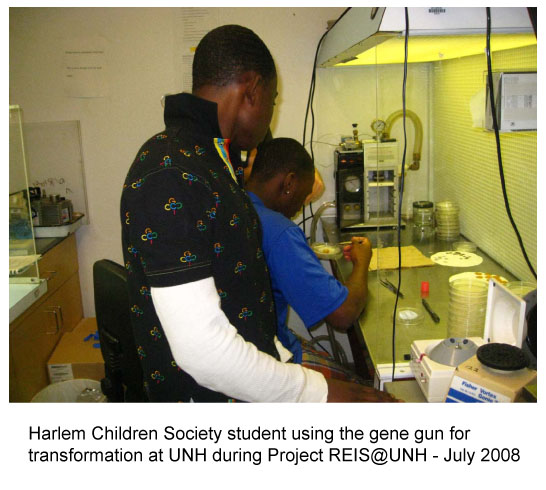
pixel 424 289
pixel 422 204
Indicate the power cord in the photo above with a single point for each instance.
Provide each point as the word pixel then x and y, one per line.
pixel 310 98
pixel 309 108
pixel 497 140
pixel 318 343
pixel 401 192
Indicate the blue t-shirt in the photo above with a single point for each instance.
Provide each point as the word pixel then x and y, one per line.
pixel 298 278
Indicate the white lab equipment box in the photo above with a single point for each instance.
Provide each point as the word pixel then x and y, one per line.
pixel 504 323
pixel 515 102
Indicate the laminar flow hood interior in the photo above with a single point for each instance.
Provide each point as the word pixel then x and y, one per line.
pixel 375 35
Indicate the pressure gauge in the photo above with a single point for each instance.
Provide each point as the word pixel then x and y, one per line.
pixel 352 184
pixel 378 125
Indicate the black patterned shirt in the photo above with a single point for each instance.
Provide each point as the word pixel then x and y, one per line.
pixel 186 218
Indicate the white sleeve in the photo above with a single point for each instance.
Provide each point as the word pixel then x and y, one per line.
pixel 208 347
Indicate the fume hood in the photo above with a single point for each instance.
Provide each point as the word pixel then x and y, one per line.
pixel 433 113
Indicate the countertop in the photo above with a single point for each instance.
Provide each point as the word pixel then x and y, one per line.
pixel 43 245
pixel 376 321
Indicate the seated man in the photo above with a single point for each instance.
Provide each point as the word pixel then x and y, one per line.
pixel 281 179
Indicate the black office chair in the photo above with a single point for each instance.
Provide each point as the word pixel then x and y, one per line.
pixel 123 380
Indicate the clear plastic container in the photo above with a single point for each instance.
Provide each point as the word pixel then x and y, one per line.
pixel 423 213
pixel 423 220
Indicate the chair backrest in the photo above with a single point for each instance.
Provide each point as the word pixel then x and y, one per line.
pixel 124 380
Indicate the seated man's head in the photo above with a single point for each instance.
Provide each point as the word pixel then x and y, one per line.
pixel 282 175
pixel 233 67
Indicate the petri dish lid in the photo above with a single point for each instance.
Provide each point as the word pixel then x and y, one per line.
pixel 481 276
pixel 448 216
pixel 468 285
pixel 409 316
pixel 447 205
pixel 521 288
pixel 447 221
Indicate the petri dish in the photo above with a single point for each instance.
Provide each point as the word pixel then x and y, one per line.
pixel 464 246
pixel 409 316
pixel 327 251
pixel 520 288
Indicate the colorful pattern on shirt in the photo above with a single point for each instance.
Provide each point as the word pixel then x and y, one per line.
pixel 184 219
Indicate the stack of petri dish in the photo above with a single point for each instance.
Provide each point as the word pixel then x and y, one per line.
pixel 521 288
pixel 467 308
pixel 447 220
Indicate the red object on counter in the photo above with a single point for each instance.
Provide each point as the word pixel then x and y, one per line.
pixel 424 289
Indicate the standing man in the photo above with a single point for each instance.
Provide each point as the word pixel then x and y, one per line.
pixel 203 311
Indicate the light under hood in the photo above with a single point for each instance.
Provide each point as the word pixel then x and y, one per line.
pixel 435 34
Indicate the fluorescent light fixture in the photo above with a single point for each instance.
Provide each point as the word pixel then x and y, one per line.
pixel 423 49
pixel 375 35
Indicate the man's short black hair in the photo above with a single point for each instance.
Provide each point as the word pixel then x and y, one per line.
pixel 281 155
pixel 225 53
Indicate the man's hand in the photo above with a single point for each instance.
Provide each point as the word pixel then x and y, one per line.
pixel 344 392
pixel 359 252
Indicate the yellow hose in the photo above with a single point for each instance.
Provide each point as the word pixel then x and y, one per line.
pixel 418 134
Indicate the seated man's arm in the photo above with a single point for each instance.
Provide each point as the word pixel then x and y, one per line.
pixel 318 295
pixel 360 253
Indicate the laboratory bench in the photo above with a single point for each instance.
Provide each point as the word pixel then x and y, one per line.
pixel 371 337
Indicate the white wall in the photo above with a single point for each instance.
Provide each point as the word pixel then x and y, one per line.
pixel 140 54
pixel 360 95
pixel 466 165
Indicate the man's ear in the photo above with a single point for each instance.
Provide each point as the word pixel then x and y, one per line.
pixel 289 183
pixel 252 81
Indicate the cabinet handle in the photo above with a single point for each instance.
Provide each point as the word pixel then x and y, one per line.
pixel 51 275
pixel 60 310
pixel 57 327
